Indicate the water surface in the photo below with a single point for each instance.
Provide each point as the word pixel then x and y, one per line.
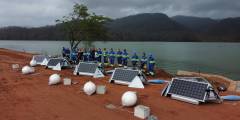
pixel 219 58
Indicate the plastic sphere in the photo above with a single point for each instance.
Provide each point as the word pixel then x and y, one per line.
pixel 33 63
pixel 129 99
pixel 89 88
pixel 54 79
pixel 27 70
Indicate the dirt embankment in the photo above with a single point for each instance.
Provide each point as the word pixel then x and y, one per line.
pixel 28 97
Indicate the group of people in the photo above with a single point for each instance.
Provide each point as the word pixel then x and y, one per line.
pixel 111 58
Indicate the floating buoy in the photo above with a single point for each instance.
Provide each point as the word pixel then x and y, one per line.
pixel 129 98
pixel 27 70
pixel 89 88
pixel 33 63
pixel 54 79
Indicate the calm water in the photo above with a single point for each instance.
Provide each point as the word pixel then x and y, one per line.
pixel 219 58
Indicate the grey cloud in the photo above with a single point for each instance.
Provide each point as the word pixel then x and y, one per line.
pixel 45 12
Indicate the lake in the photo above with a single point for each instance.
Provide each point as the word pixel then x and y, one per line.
pixel 216 58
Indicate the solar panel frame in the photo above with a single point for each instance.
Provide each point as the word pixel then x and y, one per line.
pixel 193 90
pixel 54 61
pixel 40 58
pixel 84 68
pixel 119 75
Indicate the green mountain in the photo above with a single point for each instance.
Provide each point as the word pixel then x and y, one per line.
pixel 145 27
pixel 149 27
pixel 196 24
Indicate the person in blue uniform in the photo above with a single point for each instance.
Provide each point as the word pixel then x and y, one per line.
pixel 135 60
pixel 119 57
pixel 99 55
pixel 86 55
pixel 80 54
pixel 111 57
pixel 151 65
pixel 125 57
pixel 73 56
pixel 144 60
pixel 64 52
pixel 105 56
pixel 92 54
pixel 67 53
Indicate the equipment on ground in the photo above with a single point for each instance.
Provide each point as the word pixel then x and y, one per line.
pixel 157 81
pixel 231 97
pixel 27 70
pixel 194 90
pixel 58 64
pixel 89 69
pixel 33 63
pixel 89 88
pixel 129 99
pixel 41 59
pixel 54 79
pixel 130 77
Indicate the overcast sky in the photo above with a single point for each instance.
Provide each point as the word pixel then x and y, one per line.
pixel 34 13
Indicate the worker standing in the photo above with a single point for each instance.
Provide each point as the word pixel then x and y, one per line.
pixel 125 58
pixel 92 54
pixel 63 52
pixel 111 57
pixel 86 55
pixel 135 60
pixel 105 56
pixel 151 64
pixel 119 57
pixel 80 54
pixel 143 62
pixel 67 53
pixel 99 55
pixel 73 56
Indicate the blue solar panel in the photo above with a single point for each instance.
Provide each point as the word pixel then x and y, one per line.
pixel 190 89
pixel 40 58
pixel 125 75
pixel 87 67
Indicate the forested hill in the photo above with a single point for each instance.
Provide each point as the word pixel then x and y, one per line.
pixel 145 27
pixel 24 33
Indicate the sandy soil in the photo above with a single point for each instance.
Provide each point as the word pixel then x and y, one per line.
pixel 28 97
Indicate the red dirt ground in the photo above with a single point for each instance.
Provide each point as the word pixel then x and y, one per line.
pixel 28 97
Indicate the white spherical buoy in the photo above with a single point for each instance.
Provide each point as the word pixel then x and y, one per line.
pixel 33 63
pixel 89 88
pixel 129 98
pixel 26 70
pixel 54 79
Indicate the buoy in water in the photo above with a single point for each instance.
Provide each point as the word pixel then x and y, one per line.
pixel 54 79
pixel 89 88
pixel 129 99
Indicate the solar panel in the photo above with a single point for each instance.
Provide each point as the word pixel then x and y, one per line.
pixel 124 75
pixel 189 88
pixel 55 61
pixel 39 58
pixel 87 67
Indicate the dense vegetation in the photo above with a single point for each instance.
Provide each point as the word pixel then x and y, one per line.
pixel 82 25
pixel 144 27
